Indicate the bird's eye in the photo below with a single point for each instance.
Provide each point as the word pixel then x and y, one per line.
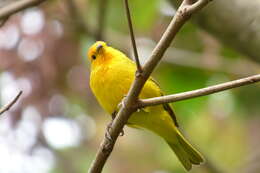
pixel 93 56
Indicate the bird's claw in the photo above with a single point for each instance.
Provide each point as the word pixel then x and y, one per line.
pixel 107 134
pixel 138 110
pixel 109 126
pixel 113 115
pixel 122 133
pixel 122 103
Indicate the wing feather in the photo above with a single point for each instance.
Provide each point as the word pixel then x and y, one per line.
pixel 167 106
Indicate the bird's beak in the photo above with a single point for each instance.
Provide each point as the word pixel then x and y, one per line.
pixel 99 47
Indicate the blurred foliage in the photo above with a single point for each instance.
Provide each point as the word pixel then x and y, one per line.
pixel 228 53
pixel 189 32
pixel 68 122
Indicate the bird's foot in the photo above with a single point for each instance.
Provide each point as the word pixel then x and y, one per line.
pixel 114 115
pixel 109 126
pixel 122 103
pixel 122 133
pixel 139 110
pixel 107 134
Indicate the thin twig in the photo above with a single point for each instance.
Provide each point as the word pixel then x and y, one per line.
pixel 199 92
pixel 9 105
pixel 131 30
pixel 14 7
pixel 197 6
pixel 106 147
pixel 101 19
pixel 77 18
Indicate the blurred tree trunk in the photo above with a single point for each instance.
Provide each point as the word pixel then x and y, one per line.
pixel 234 22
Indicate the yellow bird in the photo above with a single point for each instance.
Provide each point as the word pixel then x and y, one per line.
pixel 111 76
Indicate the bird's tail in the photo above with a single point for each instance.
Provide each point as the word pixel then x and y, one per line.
pixel 185 152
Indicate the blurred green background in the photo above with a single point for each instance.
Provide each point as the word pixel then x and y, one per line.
pixel 57 125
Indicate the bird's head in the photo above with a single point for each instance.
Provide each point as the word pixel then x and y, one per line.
pixel 96 51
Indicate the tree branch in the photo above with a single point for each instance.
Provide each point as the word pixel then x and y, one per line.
pixel 101 19
pixel 9 105
pixel 12 8
pixel 198 92
pixel 77 18
pixel 196 6
pixel 131 30
pixel 127 108
pixel 241 31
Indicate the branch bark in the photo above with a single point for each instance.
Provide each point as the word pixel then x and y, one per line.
pixel 8 106
pixel 240 17
pixel 183 14
pixel 198 92
pixel 77 18
pixel 102 12
pixel 14 7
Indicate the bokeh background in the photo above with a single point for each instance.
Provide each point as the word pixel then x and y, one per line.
pixel 57 125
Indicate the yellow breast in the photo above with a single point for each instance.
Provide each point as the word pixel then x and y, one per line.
pixel 110 81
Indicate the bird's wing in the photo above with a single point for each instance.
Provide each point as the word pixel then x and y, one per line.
pixel 167 107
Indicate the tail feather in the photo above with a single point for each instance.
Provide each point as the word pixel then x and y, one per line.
pixel 181 155
pixel 185 152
